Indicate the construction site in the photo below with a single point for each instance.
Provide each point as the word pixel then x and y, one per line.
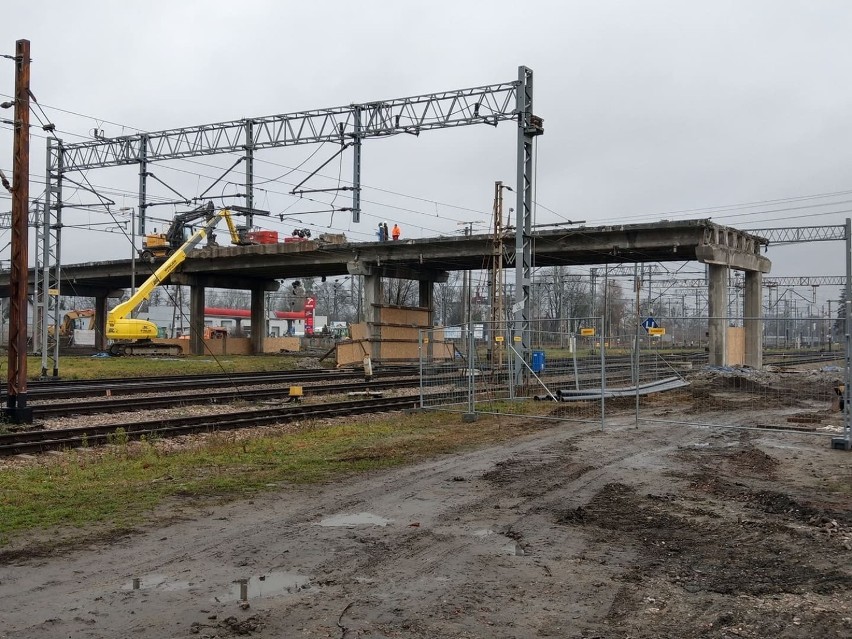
pixel 246 421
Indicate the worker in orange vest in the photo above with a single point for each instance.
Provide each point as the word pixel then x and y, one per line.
pixel 396 231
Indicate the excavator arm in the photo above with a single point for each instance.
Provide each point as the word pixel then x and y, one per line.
pixel 119 326
pixel 232 229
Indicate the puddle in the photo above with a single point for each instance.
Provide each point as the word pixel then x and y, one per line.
pixel 268 585
pixel 156 582
pixel 357 519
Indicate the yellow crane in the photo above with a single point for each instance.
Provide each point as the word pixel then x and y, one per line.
pixel 133 336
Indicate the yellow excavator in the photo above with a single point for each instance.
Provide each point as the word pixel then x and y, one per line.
pixel 133 336
pixel 70 322
pixel 157 245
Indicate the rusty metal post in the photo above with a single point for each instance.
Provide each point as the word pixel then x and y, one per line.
pixel 16 409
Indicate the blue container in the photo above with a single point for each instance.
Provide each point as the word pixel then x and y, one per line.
pixel 537 361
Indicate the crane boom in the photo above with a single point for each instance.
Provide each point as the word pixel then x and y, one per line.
pixel 119 326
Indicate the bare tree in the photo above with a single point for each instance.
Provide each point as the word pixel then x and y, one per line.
pixel 447 297
pixel 401 292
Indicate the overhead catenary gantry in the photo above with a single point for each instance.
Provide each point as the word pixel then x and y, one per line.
pixel 346 125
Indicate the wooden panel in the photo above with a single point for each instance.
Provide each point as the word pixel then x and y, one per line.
pixel 358 331
pixel 735 346
pixel 278 344
pixel 351 352
pixel 404 315
pixel 398 332
pixel 411 351
pixel 227 346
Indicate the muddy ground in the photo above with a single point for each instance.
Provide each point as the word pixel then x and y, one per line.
pixel 666 531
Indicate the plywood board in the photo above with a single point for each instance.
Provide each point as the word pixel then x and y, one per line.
pixel 398 332
pixel 411 351
pixel 735 346
pixel 404 315
pixel 358 331
pixel 278 344
pixel 351 352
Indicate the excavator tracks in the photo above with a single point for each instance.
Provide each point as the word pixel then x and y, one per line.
pixel 145 349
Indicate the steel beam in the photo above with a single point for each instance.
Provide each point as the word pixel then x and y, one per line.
pixel 799 234
pixel 249 173
pixel 356 164
pixel 488 104
pixel 143 184
pixel 527 130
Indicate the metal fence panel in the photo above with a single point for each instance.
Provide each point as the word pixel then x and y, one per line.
pixel 794 390
pixel 471 368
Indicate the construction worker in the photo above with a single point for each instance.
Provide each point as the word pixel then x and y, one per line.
pixel 396 231
pixel 380 233
pixel 387 233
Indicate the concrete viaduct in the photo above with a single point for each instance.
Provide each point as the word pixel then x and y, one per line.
pixel 258 269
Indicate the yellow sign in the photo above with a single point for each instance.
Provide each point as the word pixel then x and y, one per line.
pixel 587 331
pixel 425 340
pixel 517 338
pixel 53 291
pixel 499 338
pixel 656 331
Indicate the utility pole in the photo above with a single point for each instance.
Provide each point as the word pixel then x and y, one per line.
pixel 497 312
pixel 16 400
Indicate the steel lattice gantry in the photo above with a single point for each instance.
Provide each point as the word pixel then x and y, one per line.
pixel 800 234
pixel 346 125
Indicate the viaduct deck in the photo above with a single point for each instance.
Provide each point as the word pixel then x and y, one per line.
pixel 427 259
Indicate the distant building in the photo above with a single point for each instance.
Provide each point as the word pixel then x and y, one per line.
pixel 174 322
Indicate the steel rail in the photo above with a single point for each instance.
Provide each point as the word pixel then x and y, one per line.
pixel 122 404
pixel 60 439
pixel 125 386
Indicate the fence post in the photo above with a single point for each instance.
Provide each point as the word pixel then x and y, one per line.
pixel 510 353
pixel 637 344
pixel 470 415
pixel 603 372
pixel 420 357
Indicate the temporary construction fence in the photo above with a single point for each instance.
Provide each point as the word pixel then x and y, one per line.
pixel 490 374
pixel 798 387
pixel 649 373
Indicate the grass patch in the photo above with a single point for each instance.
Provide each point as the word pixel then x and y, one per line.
pixel 84 367
pixel 122 487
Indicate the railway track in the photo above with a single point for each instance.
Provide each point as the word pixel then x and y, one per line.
pixel 67 389
pixel 227 396
pixel 33 441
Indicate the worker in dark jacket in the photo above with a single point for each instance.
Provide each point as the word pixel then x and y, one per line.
pixel 387 233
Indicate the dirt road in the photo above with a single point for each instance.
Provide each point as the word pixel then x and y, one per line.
pixel 668 531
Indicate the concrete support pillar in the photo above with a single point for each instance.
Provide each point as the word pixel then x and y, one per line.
pixel 372 297
pixel 752 319
pixel 196 320
pixel 372 313
pixel 258 320
pixel 100 322
pixel 427 298
pixel 717 323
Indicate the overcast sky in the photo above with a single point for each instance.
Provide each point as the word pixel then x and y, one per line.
pixel 651 109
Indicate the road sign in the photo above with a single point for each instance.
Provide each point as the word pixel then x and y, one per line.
pixel 587 332
pixel 649 323
pixel 655 330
